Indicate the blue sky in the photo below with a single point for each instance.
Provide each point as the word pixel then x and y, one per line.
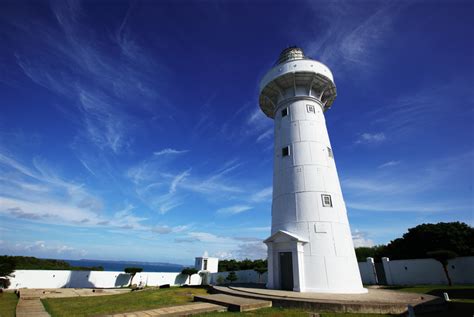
pixel 131 130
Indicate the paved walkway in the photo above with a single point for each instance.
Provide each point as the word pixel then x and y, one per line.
pixel 374 301
pixel 373 295
pixel 183 310
pixel 30 308
pixel 68 292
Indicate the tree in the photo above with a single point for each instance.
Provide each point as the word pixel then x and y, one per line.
pixel 232 277
pixel 234 265
pixel 260 270
pixel 456 237
pixel 7 267
pixel 443 256
pixel 189 271
pixel 132 271
pixel 376 252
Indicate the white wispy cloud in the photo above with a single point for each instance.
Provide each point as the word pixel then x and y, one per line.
pixel 177 180
pixel 371 138
pixel 349 35
pixel 424 108
pixel 164 229
pixel 168 151
pixel 389 164
pixel 360 239
pixel 251 250
pixel 41 248
pixel 423 187
pixel 263 195
pixel 232 210
pixel 265 135
pixel 70 61
pixel 38 194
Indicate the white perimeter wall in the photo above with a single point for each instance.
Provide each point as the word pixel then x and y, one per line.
pixel 428 271
pixel 94 279
pixel 367 272
pixel 244 276
pixel 418 271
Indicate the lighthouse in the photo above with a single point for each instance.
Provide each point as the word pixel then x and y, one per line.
pixel 310 248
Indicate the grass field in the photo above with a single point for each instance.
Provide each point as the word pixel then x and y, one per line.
pixel 134 301
pixel 462 303
pixel 8 303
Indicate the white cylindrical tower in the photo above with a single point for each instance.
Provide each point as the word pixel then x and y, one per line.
pixel 311 246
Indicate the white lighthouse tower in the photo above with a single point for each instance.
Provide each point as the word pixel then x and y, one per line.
pixel 310 248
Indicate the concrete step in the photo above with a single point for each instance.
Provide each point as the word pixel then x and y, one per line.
pixel 183 310
pixel 30 308
pixel 233 303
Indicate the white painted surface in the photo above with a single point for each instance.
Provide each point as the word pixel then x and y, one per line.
pixel 205 263
pixel 327 263
pixel 367 272
pixel 419 271
pixel 429 271
pixel 94 279
pixel 244 276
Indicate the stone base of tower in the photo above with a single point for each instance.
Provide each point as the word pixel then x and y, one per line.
pixel 289 268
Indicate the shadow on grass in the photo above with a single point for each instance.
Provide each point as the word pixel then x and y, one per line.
pixel 455 309
pixel 454 292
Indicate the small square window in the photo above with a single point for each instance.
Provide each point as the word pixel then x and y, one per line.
pixel 285 151
pixel 310 108
pixel 284 112
pixel 330 152
pixel 327 202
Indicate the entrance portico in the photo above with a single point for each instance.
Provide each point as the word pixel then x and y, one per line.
pixel 285 261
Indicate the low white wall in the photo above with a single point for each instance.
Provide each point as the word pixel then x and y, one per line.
pixel 428 271
pixel 367 272
pixel 94 279
pixel 398 272
pixel 244 276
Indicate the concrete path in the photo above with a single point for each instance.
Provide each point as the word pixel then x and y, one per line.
pixel 233 303
pixel 183 310
pixel 30 308
pixel 68 292
pixel 376 301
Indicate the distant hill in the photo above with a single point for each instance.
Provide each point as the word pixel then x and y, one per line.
pixel 32 263
pixel 132 262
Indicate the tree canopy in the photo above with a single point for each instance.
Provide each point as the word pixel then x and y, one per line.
pixel 32 263
pixel 235 265
pixel 7 266
pixel 455 237
pixel 133 270
pixel 189 271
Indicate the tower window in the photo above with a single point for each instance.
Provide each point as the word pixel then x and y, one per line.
pixel 285 151
pixel 310 108
pixel 327 202
pixel 330 152
pixel 284 112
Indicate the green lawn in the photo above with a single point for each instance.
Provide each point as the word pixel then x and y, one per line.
pixel 454 292
pixel 8 301
pixel 462 304
pixel 134 301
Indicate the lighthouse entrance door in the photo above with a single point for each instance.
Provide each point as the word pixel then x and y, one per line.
pixel 286 271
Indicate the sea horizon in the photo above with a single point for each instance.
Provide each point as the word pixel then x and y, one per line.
pixel 119 266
